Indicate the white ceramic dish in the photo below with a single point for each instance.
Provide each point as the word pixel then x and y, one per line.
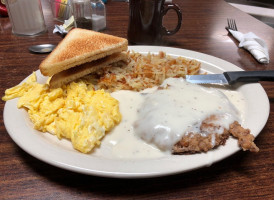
pixel 60 153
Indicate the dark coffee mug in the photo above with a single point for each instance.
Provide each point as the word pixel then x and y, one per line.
pixel 146 21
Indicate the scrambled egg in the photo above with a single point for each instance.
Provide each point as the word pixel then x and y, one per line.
pixel 76 111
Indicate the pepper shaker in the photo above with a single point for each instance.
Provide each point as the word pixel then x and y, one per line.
pixel 82 12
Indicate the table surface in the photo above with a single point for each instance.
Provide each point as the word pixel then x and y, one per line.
pixel 244 175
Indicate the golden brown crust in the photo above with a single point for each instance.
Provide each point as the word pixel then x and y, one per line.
pixel 245 139
pixel 196 142
pixel 209 139
pixel 74 73
pixel 81 46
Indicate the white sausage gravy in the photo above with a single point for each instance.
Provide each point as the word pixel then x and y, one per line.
pixel 179 108
pixel 157 118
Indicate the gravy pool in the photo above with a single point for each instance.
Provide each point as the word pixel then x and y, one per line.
pixel 155 119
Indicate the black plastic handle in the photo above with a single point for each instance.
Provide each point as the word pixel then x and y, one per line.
pixel 249 76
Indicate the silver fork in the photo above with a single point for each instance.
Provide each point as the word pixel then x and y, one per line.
pixel 231 25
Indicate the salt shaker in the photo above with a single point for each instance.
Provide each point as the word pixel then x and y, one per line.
pixel 98 15
pixel 82 12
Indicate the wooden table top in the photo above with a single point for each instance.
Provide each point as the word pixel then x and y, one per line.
pixel 244 175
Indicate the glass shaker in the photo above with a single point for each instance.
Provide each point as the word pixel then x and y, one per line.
pixel 82 12
pixel 26 17
pixel 98 15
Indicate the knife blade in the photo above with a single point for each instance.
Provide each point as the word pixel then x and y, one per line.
pixel 232 77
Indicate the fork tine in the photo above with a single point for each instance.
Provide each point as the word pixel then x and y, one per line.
pixel 232 24
pixel 229 24
pixel 235 27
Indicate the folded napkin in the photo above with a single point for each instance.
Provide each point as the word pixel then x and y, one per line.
pixel 255 45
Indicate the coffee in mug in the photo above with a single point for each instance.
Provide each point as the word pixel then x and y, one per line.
pixel 146 21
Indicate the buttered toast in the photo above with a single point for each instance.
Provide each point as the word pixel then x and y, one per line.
pixel 81 46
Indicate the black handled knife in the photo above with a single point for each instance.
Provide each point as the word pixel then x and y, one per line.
pixel 232 77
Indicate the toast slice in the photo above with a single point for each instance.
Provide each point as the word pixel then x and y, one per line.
pixel 81 46
pixel 74 73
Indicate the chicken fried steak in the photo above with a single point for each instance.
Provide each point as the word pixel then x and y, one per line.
pixel 208 138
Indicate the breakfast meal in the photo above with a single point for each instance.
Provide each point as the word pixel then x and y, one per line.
pixel 100 95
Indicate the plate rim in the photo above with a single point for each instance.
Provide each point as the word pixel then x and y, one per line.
pixel 114 173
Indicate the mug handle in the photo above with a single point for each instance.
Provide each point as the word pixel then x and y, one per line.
pixel 175 7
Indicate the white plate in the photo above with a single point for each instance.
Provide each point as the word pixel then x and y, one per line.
pixel 61 154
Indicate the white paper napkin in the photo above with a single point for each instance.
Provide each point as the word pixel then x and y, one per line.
pixel 66 27
pixel 255 45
